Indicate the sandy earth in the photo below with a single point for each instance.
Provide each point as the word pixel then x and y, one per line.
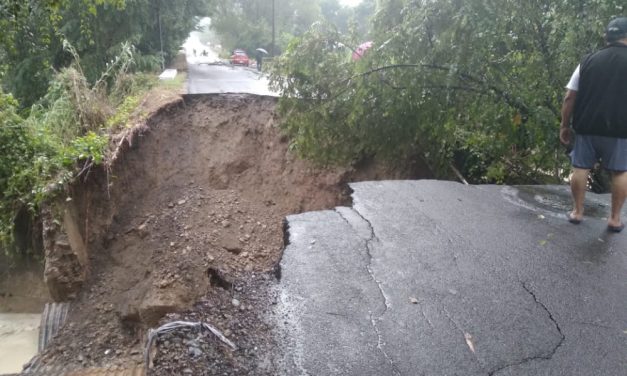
pixel 196 233
pixel 18 340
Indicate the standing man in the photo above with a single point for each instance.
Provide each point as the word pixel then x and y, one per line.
pixel 596 101
pixel 259 59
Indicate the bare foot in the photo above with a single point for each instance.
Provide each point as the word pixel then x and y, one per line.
pixel 614 225
pixel 574 218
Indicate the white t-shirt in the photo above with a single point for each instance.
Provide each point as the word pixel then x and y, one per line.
pixel 573 84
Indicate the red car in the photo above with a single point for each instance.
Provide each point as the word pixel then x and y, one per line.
pixel 239 57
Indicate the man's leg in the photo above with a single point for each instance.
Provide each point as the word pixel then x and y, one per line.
pixel 619 192
pixel 578 186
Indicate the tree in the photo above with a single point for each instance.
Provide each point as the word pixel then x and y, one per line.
pixel 31 48
pixel 476 83
pixel 248 23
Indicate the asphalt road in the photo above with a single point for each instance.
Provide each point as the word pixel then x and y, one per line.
pixel 225 78
pixel 438 278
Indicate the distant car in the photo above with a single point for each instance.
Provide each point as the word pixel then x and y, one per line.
pixel 239 57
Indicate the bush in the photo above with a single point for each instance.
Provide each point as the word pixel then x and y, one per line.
pixel 16 153
pixel 64 135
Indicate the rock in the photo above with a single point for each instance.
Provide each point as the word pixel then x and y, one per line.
pixel 171 205
pixel 194 351
pixel 235 302
pixel 181 202
pixel 159 302
pixel 225 223
pixel 188 371
pixel 233 249
pixel 142 230
pixel 230 243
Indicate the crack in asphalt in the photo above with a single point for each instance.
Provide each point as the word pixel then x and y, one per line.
pixel 424 315
pixel 537 357
pixel 374 320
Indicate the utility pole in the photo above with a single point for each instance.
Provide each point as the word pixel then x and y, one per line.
pixel 160 34
pixel 273 30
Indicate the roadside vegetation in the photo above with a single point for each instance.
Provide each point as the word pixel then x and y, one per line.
pixel 72 72
pixel 248 24
pixel 473 86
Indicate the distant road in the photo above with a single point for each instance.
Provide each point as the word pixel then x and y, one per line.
pixel 220 78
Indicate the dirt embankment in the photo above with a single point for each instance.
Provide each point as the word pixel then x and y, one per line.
pixel 190 219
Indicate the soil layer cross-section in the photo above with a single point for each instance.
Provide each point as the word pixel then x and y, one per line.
pixel 187 224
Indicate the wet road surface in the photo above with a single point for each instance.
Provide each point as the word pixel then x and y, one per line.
pixel 224 78
pixel 437 278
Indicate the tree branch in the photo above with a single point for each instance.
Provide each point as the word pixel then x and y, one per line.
pixel 498 92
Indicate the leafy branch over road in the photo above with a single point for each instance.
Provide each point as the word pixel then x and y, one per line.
pixel 477 84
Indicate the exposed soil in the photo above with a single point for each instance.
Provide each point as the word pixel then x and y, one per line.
pixel 191 228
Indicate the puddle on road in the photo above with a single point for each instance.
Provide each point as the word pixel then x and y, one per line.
pixel 554 200
pixel 19 334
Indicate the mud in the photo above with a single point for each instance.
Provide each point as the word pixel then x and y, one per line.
pixel 188 217
pixel 18 340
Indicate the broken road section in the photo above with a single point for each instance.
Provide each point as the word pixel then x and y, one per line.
pixel 437 278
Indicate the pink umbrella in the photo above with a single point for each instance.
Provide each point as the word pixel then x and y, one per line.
pixel 361 50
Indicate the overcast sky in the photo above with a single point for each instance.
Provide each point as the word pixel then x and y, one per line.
pixel 350 3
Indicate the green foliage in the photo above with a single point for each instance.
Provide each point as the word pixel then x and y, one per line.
pixel 64 135
pixel 478 83
pixel 31 44
pixel 124 112
pixel 247 24
pixel 16 149
pixel 90 147
pixel 69 64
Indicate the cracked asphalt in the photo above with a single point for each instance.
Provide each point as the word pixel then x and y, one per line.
pixel 438 278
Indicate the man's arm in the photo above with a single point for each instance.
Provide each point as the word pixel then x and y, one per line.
pixel 567 112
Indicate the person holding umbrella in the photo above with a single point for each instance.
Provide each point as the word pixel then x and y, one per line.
pixel 259 52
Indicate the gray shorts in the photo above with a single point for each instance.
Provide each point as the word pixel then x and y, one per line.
pixel 610 151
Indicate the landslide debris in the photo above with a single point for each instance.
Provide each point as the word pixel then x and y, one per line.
pixel 188 225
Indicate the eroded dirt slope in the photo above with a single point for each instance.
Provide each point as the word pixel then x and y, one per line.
pixel 201 194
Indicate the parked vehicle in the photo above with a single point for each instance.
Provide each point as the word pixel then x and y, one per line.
pixel 240 57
